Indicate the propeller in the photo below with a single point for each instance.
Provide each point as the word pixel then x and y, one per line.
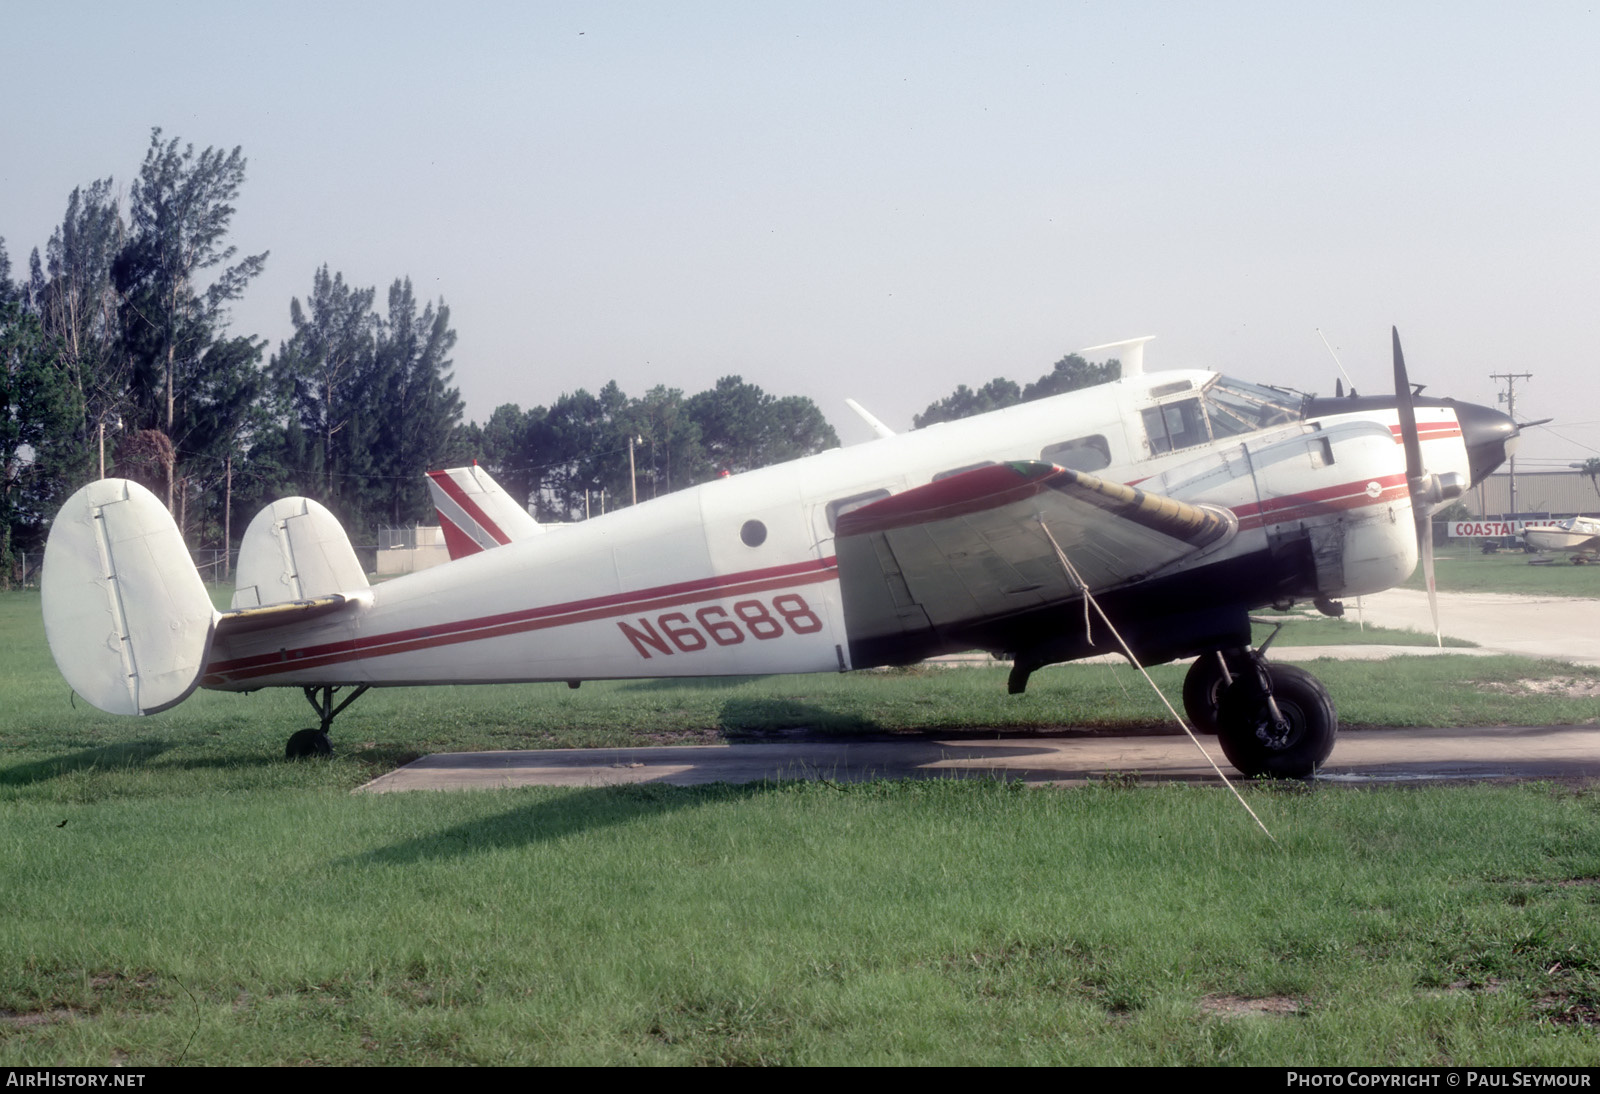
pixel 1427 490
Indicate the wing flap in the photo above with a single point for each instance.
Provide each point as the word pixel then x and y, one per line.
pixel 982 546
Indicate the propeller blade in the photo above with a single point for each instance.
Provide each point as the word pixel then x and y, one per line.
pixel 1416 477
pixel 1408 413
pixel 1425 531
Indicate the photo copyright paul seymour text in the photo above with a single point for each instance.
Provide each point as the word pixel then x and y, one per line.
pixel 1435 1079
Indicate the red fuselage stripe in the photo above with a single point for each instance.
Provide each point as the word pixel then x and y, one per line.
pixel 533 619
pixel 1322 508
pixel 1429 431
pixel 1329 499
pixel 468 506
pixel 1325 493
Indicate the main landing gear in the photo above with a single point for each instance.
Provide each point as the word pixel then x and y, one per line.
pixel 1271 719
pixel 314 742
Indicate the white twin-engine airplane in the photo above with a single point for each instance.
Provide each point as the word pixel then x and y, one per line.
pixel 1580 535
pixel 1181 501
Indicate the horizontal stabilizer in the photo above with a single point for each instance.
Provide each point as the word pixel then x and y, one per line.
pixel 475 513
pixel 245 620
pixel 127 617
pixel 295 550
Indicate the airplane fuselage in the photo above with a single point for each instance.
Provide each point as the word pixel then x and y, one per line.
pixel 742 575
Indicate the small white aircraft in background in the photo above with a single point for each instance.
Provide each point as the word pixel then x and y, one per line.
pixel 1181 500
pixel 1580 535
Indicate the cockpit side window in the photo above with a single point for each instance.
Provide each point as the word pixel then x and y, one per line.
pixel 1175 425
pixel 1237 407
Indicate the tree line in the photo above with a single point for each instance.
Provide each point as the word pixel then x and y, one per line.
pixel 116 359
pixel 1069 374
pixel 115 354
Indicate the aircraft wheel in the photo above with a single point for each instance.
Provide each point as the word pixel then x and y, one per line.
pixel 1255 746
pixel 307 742
pixel 1202 693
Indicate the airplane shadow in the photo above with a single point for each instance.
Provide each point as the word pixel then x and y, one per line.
pixel 748 717
pixel 554 819
pixel 121 754
pixel 703 683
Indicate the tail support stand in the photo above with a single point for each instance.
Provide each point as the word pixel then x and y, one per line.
pixel 314 742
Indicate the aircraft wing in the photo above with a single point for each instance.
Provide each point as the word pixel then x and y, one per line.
pixel 982 546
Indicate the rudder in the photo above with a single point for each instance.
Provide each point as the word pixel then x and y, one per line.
pixel 294 550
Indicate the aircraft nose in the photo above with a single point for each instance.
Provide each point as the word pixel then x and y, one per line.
pixel 1490 437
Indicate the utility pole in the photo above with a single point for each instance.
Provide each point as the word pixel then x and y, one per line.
pixel 1509 397
pixel 227 522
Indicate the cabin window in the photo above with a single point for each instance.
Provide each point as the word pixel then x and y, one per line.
pixel 1175 425
pixel 962 470
pixel 1079 454
pixel 753 533
pixel 840 506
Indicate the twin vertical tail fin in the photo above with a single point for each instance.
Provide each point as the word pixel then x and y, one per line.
pixel 295 551
pixel 127 617
pixel 475 513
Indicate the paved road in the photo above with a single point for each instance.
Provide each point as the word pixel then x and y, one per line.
pixel 1530 626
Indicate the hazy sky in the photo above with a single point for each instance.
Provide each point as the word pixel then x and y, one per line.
pixel 879 200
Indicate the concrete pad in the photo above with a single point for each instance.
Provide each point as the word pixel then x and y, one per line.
pixel 1297 654
pixel 1565 752
pixel 1543 627
pixel 1560 628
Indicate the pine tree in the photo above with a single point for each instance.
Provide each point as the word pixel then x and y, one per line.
pixel 180 212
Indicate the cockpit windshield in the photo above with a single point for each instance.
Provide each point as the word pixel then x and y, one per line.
pixel 1236 407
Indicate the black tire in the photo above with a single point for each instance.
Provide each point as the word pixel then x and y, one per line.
pixel 1202 693
pixel 307 742
pixel 1247 732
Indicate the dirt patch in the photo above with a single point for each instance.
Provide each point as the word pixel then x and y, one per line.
pixel 1564 687
pixel 1566 1010
pixel 1244 1006
pixel 1490 986
pixel 29 1019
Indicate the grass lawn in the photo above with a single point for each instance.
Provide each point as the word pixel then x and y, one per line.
pixel 1308 627
pixel 1463 568
pixel 172 891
